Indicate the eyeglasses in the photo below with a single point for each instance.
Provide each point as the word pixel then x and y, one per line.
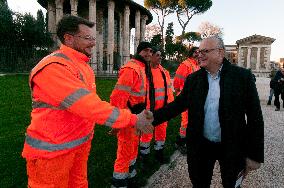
pixel 206 51
pixel 88 37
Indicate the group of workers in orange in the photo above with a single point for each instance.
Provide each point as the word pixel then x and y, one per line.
pixel 65 107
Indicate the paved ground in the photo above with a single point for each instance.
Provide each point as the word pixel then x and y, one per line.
pixel 270 175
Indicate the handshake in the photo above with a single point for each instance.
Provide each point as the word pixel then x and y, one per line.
pixel 144 122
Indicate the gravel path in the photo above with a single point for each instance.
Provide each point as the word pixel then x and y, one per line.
pixel 270 175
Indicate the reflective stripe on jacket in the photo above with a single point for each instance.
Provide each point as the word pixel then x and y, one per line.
pixel 187 67
pixel 66 106
pixel 131 85
pixel 159 86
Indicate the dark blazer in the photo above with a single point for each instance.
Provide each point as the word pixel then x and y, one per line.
pixel 240 136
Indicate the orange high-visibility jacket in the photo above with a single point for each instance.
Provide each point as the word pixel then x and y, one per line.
pixel 187 67
pixel 131 85
pixel 159 86
pixel 66 106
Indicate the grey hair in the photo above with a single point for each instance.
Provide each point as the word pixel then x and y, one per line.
pixel 219 40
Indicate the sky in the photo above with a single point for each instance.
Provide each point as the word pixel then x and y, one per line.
pixel 238 18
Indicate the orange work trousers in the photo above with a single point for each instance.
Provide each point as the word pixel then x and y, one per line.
pixel 65 171
pixel 160 134
pixel 183 125
pixel 127 149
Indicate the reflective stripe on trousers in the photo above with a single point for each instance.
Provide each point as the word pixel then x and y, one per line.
pixel 39 144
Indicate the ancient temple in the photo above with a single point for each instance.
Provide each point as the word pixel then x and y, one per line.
pixel 254 53
pixel 114 19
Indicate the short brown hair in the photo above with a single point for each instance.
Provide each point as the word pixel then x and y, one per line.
pixel 70 24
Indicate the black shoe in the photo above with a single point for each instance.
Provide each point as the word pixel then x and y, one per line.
pixel 145 159
pixel 160 157
pixel 277 109
pixel 180 142
pixel 269 102
pixel 136 182
pixel 181 145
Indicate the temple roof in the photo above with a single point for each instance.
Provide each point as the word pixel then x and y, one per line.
pixel 132 6
pixel 255 39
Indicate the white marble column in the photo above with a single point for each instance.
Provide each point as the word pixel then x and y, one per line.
pixel 120 39
pixel 137 30
pixel 258 58
pixel 51 19
pixel 143 27
pixel 267 64
pixel 240 55
pixel 59 9
pixel 74 5
pixel 126 35
pixel 248 57
pixel 93 18
pixel 110 46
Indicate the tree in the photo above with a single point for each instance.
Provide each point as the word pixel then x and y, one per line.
pixel 186 9
pixel 207 29
pixel 157 41
pixel 169 44
pixel 7 28
pixel 189 38
pixel 161 8
pixel 151 30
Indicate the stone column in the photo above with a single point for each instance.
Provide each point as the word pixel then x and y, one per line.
pixel 126 35
pixel 121 39
pixel 110 44
pixel 143 27
pixel 248 57
pixel 59 9
pixel 240 55
pixel 258 58
pixel 92 18
pixel 137 30
pixel 51 19
pixel 74 5
pixel 267 64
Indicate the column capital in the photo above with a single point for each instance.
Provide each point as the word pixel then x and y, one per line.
pixel 74 5
pixel 126 8
pixel 59 3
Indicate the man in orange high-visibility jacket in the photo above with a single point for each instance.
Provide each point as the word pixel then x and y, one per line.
pixel 187 67
pixel 163 95
pixel 131 92
pixel 65 107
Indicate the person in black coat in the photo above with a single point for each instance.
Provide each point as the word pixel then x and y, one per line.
pixel 225 120
pixel 277 83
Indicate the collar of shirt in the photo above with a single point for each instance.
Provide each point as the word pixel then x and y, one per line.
pixel 217 75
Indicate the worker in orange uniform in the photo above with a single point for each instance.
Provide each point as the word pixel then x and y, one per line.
pixel 163 95
pixel 65 107
pixel 131 92
pixel 187 67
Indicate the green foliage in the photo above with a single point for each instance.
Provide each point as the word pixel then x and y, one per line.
pixel 15 111
pixel 23 40
pixel 189 37
pixel 186 9
pixel 7 28
pixel 157 41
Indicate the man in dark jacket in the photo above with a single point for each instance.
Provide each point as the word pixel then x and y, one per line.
pixel 225 121
pixel 277 83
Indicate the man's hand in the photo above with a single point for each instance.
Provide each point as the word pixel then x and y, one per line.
pixel 144 122
pixel 251 165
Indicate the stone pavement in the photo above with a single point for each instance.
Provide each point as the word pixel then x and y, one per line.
pixel 270 175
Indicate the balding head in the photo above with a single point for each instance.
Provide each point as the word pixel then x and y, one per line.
pixel 211 53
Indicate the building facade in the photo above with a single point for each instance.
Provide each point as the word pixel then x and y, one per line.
pixel 113 21
pixel 232 53
pixel 254 53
